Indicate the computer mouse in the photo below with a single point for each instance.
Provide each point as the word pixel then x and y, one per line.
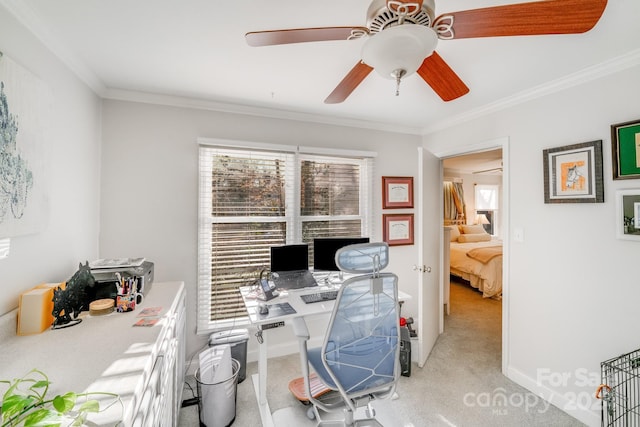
pixel 263 309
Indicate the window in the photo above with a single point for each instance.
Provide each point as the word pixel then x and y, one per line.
pixel 487 200
pixel 255 198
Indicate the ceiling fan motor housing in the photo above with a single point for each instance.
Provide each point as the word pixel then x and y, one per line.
pixel 380 17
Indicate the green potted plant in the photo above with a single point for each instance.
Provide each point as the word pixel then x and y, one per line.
pixel 25 403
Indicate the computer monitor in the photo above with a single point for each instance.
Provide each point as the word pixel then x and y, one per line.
pixel 325 248
pixel 290 257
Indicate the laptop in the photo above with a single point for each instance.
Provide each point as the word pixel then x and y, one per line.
pixel 290 267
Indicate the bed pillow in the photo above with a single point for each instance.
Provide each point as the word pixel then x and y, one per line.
pixel 473 229
pixel 474 237
pixel 454 233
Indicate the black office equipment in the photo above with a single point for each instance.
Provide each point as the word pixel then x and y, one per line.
pixel 267 292
pixel 290 267
pixel 290 257
pixel 405 352
pixel 325 248
pixel 293 279
pixel 319 296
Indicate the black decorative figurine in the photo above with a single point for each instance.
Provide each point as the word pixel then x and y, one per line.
pixel 68 302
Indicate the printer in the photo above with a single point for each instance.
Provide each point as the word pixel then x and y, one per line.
pixel 106 279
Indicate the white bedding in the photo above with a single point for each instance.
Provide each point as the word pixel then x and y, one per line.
pixel 487 278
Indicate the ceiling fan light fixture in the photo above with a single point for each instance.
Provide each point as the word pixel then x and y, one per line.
pixel 399 48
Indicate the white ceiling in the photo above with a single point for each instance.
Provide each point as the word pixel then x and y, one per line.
pixel 484 162
pixel 195 49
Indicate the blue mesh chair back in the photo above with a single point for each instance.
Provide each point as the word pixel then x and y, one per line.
pixel 360 354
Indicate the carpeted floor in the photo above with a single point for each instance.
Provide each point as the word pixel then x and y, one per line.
pixel 461 384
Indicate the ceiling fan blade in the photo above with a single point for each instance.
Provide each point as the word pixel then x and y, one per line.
pixel 522 19
pixel 442 79
pixel 487 171
pixel 303 35
pixel 349 83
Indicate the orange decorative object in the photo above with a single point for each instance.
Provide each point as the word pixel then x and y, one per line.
pixel 35 308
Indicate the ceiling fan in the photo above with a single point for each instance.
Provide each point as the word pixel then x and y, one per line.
pixel 492 170
pixel 403 34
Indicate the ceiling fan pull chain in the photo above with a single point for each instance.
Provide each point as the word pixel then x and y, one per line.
pixel 398 74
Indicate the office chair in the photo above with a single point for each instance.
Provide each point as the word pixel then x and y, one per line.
pixel 359 358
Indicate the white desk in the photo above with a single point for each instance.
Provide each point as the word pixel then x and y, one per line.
pixel 302 310
pixel 143 365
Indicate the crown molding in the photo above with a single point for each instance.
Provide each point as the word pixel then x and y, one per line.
pixel 612 66
pixel 25 15
pixel 223 107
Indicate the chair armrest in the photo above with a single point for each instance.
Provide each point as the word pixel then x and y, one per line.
pixel 300 328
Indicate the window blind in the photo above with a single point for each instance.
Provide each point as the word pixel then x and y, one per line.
pixel 252 199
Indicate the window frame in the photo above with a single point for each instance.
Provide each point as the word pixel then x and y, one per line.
pixel 294 219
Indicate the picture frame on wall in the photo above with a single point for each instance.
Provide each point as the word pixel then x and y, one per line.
pixel 397 192
pixel 625 148
pixel 397 229
pixel 628 214
pixel 573 173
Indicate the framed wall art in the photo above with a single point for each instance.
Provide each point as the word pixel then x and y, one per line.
pixel 625 147
pixel 628 214
pixel 397 229
pixel 397 192
pixel 573 173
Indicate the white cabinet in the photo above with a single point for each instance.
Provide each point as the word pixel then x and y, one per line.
pixel 143 365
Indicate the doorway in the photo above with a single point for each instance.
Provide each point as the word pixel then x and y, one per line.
pixel 485 164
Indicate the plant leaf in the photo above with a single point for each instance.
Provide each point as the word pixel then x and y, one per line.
pixel 79 421
pixel 90 406
pixel 15 404
pixel 43 418
pixel 65 403
pixel 40 384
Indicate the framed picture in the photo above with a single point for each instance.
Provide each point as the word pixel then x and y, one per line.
pixel 628 214
pixel 573 173
pixel 397 229
pixel 625 147
pixel 397 192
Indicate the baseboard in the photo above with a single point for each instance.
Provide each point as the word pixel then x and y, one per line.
pixel 567 402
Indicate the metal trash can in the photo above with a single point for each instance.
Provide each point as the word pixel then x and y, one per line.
pixel 217 400
pixel 237 340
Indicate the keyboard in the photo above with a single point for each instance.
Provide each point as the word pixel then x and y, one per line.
pixel 319 296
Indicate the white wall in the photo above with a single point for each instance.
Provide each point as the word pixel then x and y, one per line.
pixel 150 180
pixel 572 289
pixel 70 235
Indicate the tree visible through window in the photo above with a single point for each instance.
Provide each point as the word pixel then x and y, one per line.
pixel 251 200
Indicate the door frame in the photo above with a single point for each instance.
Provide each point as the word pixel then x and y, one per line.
pixel 503 143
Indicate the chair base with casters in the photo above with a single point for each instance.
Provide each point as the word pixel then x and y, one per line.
pixel 359 358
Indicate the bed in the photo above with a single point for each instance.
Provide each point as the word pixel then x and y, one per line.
pixel 476 257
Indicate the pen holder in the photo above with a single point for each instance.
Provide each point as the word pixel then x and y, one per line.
pixel 128 296
pixel 127 302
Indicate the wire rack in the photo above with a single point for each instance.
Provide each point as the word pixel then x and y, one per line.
pixel 620 391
